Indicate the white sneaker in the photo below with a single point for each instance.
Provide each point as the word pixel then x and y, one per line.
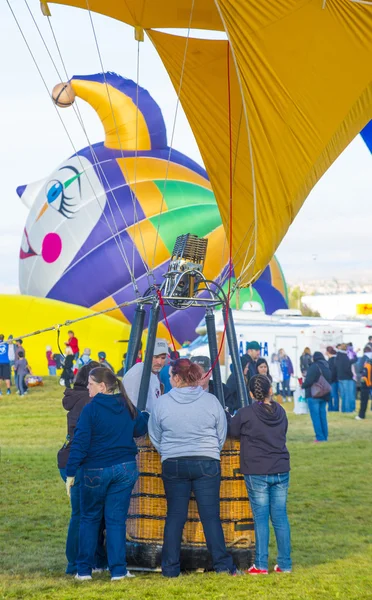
pixel 358 418
pixel 128 574
pixel 83 577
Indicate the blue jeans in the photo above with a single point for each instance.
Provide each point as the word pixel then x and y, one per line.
pixel 334 404
pixel 347 389
pixel 72 541
pixel 268 498
pixel 181 476
pixel 318 414
pixel 105 492
pixel 52 370
pixel 285 387
pixel 19 381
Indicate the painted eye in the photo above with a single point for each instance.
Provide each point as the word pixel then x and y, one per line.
pixel 55 190
pixel 57 199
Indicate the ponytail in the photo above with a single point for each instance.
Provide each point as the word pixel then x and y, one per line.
pixel 106 376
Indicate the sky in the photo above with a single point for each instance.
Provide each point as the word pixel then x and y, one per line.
pixel 330 238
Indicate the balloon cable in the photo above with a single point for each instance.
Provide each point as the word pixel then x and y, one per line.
pixel 161 302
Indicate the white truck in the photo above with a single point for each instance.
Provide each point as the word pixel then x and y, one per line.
pixel 288 329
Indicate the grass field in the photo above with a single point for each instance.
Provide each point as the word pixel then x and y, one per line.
pixel 330 508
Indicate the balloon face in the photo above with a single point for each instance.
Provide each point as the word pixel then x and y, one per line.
pixel 65 208
pixel 108 216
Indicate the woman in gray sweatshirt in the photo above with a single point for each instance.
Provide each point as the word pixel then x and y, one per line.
pixel 188 428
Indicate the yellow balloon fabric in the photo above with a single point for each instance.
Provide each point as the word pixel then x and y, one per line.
pixel 299 74
pixel 25 314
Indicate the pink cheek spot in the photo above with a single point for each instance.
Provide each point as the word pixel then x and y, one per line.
pixel 51 247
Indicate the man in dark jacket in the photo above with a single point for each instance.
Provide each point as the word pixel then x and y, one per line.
pixel 318 406
pixel 207 383
pixel 347 386
pixel 334 405
pixel 365 373
pixel 250 358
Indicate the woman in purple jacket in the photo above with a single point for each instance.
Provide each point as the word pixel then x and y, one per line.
pixel 264 462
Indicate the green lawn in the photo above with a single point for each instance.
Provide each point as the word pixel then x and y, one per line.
pixel 330 507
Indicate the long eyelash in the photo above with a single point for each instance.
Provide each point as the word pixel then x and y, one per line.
pixel 63 210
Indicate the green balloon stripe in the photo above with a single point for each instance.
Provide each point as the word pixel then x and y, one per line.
pixel 199 220
pixel 178 194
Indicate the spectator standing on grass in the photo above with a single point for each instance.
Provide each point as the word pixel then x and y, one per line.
pixel 132 378
pixel 73 343
pixel 104 449
pixel 262 368
pixel 264 462
pixel 305 361
pixel 334 404
pixel 164 373
pixel 276 373
pixel 84 358
pixel 67 375
pixel 19 348
pixel 250 358
pixel 103 362
pixel 287 370
pixel 232 385
pixel 318 406
pixel 21 369
pixel 52 364
pixel 365 382
pixel 11 355
pixel 4 364
pixel 188 429
pixel 73 402
pixel 347 388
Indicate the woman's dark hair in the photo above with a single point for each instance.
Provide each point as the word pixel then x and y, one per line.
pixel 259 386
pixel 331 350
pixel 189 372
pixel 113 383
pixel 262 361
pixel 83 373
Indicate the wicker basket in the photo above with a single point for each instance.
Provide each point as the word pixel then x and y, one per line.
pixel 148 509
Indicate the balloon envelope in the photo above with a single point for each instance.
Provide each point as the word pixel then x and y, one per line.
pixel 107 219
pixel 294 82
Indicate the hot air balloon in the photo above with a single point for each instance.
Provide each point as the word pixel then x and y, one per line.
pixel 95 221
pixel 271 108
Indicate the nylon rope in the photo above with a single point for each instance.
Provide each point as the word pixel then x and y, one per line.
pixel 162 306
pixel 77 320
pixel 115 122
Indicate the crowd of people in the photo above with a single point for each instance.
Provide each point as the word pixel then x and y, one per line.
pixel 188 426
pixel 13 362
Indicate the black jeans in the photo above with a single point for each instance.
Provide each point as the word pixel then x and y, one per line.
pixel 364 397
pixel 181 476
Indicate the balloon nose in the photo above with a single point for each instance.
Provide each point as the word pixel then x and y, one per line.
pixel 20 190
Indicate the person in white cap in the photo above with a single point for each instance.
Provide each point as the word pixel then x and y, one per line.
pixel 132 378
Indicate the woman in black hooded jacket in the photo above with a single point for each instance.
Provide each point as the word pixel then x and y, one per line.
pixel 318 406
pixel 73 402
